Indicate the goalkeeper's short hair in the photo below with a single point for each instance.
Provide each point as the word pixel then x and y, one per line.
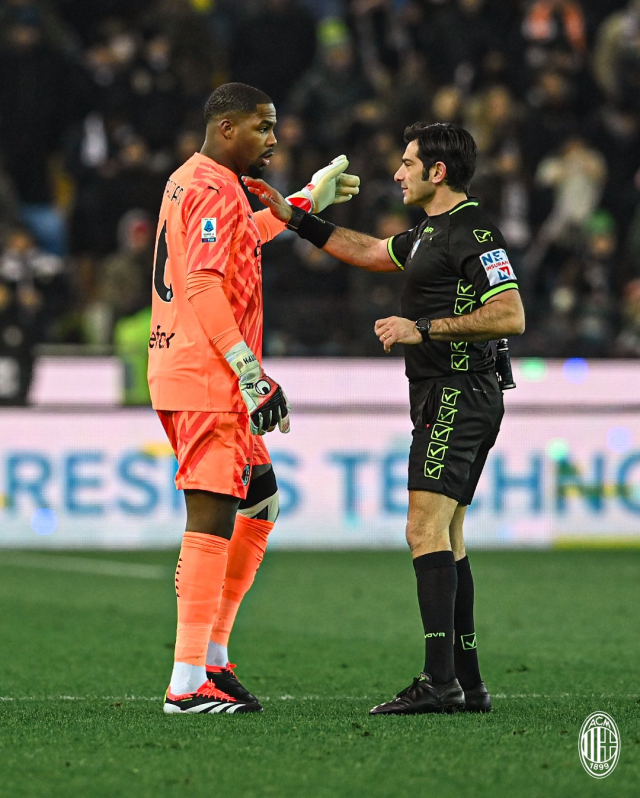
pixel 234 98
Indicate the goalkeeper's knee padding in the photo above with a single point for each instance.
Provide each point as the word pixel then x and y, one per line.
pixel 262 498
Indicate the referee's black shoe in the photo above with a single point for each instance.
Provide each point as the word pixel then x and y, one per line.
pixel 478 699
pixel 422 696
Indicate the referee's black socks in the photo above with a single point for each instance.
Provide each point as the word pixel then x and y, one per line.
pixel 437 578
pixel 465 649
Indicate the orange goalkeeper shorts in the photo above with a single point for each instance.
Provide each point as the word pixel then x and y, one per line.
pixel 215 451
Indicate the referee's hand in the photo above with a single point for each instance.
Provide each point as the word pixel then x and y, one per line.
pixel 396 330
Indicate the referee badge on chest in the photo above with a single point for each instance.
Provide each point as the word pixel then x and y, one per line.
pixel 414 248
pixel 209 230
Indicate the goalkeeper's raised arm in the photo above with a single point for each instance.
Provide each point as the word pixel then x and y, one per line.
pixel 358 249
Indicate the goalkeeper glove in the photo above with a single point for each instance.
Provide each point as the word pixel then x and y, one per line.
pixel 328 186
pixel 266 402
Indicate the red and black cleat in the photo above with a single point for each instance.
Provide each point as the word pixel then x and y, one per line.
pixel 226 680
pixel 206 699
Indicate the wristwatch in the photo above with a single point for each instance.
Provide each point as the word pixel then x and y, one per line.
pixel 423 326
pixel 297 216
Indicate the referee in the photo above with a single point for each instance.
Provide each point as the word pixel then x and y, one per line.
pixel 459 293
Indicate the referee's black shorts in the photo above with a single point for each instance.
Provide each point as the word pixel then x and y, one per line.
pixel 456 420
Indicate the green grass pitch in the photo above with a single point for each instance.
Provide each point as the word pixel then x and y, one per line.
pixel 322 637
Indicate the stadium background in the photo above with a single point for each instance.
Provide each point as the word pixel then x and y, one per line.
pixel 100 101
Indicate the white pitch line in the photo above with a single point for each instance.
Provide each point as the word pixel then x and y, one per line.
pixel 501 696
pixel 84 565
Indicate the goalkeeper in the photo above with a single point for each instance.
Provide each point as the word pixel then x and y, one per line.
pixel 208 387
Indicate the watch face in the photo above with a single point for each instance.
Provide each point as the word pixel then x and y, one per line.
pixel 422 325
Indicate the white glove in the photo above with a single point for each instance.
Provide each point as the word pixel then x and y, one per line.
pixel 266 402
pixel 328 186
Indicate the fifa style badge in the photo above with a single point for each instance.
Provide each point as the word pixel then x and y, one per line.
pixel 209 231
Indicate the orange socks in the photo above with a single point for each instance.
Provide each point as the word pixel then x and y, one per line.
pixel 246 550
pixel 199 578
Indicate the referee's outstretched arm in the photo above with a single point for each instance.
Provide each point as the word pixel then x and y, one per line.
pixel 501 316
pixel 349 246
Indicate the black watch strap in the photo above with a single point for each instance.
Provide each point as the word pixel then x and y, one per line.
pixel 423 326
pixel 297 217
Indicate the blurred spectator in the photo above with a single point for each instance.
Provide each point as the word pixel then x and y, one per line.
pixel 9 208
pixel 33 293
pixel 583 292
pixel 18 322
pixel 41 14
pixel 631 251
pixel 495 120
pixel 37 279
pixel 158 104
pixel 198 51
pixel 617 56
pixel 124 278
pixel 552 115
pixel 131 339
pixel 273 46
pixel 627 343
pixel 308 310
pixel 36 84
pixel 327 95
pixel 576 175
pixel 616 133
pixel 555 34
pixel 116 176
pixel 382 291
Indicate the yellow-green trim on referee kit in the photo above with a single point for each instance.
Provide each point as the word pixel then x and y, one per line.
pixel 391 255
pixel 498 290
pixel 464 205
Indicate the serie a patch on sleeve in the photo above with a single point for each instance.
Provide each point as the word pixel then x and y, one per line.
pixel 496 265
pixel 208 229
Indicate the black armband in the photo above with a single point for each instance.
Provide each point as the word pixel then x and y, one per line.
pixel 313 228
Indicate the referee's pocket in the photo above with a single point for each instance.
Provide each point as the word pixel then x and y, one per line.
pixel 430 408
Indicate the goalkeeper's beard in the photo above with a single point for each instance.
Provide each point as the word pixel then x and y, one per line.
pixel 255 171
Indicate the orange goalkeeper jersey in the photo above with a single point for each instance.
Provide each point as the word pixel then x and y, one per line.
pixel 205 222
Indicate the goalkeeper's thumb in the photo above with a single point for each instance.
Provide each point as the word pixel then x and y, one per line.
pixel 323 184
pixel 331 171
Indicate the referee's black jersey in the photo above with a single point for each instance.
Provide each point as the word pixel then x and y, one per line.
pixel 453 263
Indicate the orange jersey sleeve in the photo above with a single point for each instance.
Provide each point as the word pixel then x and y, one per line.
pixel 206 296
pixel 268 225
pixel 211 218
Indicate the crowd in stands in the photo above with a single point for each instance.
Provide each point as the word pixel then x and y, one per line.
pixel 101 100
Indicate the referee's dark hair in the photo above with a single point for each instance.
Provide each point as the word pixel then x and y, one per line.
pixel 451 144
pixel 233 98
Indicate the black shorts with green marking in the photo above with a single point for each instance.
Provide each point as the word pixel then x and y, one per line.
pixel 456 421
